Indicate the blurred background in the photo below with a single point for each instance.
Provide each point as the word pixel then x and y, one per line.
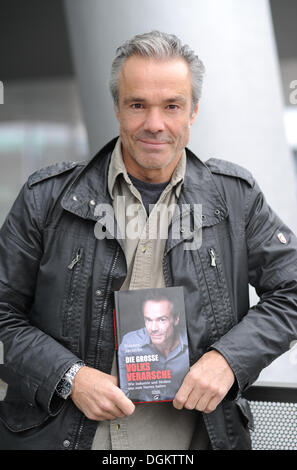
pixel 55 62
pixel 54 70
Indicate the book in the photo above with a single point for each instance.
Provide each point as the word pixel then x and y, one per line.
pixel 151 342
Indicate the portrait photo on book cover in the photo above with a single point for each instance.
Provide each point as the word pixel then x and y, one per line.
pixel 153 353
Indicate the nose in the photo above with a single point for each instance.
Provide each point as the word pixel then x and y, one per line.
pixel 154 326
pixel 154 121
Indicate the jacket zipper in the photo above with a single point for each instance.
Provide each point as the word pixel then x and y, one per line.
pixel 99 335
pixel 213 263
pixel 212 257
pixel 71 292
pixel 75 260
pixel 108 290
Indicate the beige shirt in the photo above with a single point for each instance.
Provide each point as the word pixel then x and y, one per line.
pixel 152 426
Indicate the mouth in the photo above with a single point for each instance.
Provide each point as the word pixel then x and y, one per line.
pixel 152 143
pixel 156 336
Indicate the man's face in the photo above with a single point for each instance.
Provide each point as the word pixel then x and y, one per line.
pixel 155 103
pixel 159 322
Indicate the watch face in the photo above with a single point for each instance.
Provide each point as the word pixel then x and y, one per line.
pixel 65 387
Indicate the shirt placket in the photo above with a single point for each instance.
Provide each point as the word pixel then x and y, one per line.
pixel 142 268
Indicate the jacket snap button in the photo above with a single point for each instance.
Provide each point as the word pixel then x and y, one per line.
pixel 217 212
pixel 98 292
pixel 74 198
pixel 92 202
pixel 66 443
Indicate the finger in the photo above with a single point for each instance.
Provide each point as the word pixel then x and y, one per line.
pixel 185 390
pixel 111 411
pixel 95 413
pixel 212 404
pixel 103 417
pixel 203 403
pixel 123 403
pixel 181 397
pixel 192 400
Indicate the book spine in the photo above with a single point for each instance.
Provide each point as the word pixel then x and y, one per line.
pixel 115 331
pixel 116 325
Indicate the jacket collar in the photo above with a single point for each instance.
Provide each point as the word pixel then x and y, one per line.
pixel 199 188
pixel 90 188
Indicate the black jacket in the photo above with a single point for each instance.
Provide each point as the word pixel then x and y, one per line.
pixel 57 281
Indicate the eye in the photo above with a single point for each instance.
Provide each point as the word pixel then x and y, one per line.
pixel 136 106
pixel 172 106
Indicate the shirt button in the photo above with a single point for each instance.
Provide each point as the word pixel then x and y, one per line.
pixel 66 443
pixel 143 248
pixel 98 292
pixel 116 427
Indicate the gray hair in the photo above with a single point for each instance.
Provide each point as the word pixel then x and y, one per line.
pixel 161 46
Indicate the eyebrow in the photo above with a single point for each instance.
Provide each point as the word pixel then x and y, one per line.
pixel 158 318
pixel 174 99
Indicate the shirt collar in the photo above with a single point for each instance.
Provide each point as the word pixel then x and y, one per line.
pixel 117 167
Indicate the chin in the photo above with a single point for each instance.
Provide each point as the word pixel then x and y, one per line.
pixel 153 162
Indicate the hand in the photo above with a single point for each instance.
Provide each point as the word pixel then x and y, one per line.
pixel 206 384
pixel 97 395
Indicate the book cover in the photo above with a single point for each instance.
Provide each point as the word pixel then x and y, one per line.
pixel 152 343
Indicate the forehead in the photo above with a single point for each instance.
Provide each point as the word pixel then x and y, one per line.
pixel 143 76
pixel 160 308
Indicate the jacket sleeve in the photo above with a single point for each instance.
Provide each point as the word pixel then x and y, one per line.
pixel 268 328
pixel 32 359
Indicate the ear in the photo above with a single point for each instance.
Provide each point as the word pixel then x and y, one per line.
pixel 176 321
pixel 116 111
pixel 194 114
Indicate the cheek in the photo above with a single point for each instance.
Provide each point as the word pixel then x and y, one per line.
pixel 181 130
pixel 130 124
pixel 165 329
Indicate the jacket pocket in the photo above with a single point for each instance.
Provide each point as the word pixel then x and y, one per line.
pixel 17 414
pixel 73 271
pixel 218 291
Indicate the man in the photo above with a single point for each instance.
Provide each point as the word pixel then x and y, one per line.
pixel 165 342
pixel 58 279
pixel 161 325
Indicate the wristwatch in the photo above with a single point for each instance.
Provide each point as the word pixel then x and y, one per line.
pixel 64 387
